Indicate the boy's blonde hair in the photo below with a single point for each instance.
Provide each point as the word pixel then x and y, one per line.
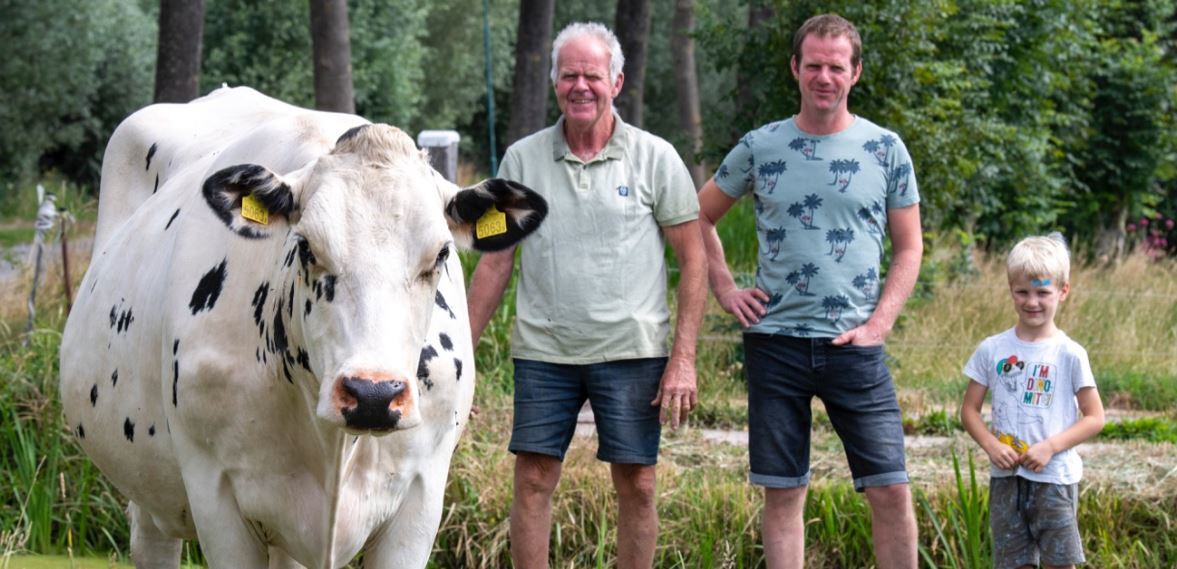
pixel 1039 257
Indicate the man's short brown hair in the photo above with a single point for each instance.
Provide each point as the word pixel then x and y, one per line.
pixel 829 25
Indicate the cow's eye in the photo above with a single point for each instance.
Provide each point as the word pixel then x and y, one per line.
pixel 442 256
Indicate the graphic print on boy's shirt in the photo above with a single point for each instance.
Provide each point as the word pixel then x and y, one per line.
pixel 1031 386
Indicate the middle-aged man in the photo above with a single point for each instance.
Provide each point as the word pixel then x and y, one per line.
pixel 592 318
pixel 826 186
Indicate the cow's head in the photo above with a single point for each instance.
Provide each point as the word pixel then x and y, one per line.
pixel 370 231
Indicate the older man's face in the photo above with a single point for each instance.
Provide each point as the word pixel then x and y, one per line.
pixel 583 89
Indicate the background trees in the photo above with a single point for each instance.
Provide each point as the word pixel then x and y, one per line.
pixel 1021 115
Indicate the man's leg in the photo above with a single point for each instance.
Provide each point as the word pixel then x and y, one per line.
pixel 637 519
pixel 893 526
pixel 784 527
pixel 536 476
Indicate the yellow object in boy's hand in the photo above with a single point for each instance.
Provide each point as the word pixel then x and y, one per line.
pixel 1013 442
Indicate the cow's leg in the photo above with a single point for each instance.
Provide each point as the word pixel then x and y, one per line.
pixel 280 560
pixel 150 548
pixel 227 542
pixel 407 539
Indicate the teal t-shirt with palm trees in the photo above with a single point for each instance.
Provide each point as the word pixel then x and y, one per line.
pixel 821 215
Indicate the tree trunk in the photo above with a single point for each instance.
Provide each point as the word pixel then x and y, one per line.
pixel 686 80
pixel 177 66
pixel 748 80
pixel 633 32
pixel 529 91
pixel 1110 239
pixel 332 53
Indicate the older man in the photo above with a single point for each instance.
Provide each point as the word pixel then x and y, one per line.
pixel 592 319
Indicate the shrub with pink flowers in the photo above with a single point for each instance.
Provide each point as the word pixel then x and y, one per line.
pixel 1154 236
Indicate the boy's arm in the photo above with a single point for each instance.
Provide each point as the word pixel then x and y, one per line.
pixel 1086 427
pixel 1002 456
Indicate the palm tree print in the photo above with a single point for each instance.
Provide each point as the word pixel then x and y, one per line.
pixel 808 271
pixel 898 179
pixel 806 146
pixel 838 240
pixel 843 171
pixel 722 172
pixel 774 237
pixel 867 283
pixel 770 172
pixel 773 300
pixel 867 215
pixel 746 140
pixel 812 202
pixel 881 149
pixel 806 217
pixel 834 305
pixel 802 330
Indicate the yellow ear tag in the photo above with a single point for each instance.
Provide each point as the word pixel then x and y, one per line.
pixel 493 222
pixel 253 210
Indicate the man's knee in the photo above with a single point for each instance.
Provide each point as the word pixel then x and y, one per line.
pixel 536 474
pixel 893 500
pixel 635 482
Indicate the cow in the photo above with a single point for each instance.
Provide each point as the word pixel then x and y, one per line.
pixel 270 351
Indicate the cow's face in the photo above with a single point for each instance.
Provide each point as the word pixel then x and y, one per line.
pixel 372 231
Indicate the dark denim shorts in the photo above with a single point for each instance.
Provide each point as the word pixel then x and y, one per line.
pixel 549 396
pixel 1034 521
pixel 785 373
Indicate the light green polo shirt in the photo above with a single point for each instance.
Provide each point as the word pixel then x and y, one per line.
pixel 592 280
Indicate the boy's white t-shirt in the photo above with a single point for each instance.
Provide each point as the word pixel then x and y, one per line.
pixel 1034 386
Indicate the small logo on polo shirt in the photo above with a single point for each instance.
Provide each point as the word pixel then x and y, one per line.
pixel 623 191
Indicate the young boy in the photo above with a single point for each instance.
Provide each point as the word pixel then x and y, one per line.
pixel 1041 382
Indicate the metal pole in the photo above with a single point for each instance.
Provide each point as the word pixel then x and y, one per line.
pixel 69 302
pixel 490 89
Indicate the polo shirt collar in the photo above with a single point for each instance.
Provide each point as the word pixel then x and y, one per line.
pixel 613 150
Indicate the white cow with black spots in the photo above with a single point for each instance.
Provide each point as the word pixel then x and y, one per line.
pixel 288 387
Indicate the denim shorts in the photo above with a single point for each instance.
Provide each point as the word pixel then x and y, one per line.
pixel 785 373
pixel 548 397
pixel 1032 521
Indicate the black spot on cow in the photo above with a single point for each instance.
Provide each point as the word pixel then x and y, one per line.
pixel 286 372
pixel 114 315
pixel 171 219
pixel 175 346
pixel 329 287
pixel 94 395
pixel 304 359
pixel 458 369
pixel 150 155
pixel 290 306
pixel 279 328
pixel 290 256
pixel 259 302
pixel 151 430
pixel 114 378
pixel 175 382
pixel 350 134
pixel 129 429
pixel 306 257
pixel 427 353
pixel 318 286
pixel 156 188
pixel 308 308
pixel 446 342
pixel 257 354
pixel 81 431
pixel 125 320
pixel 208 289
pixel 441 303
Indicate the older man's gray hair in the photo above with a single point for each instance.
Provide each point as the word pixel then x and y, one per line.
pixel 595 30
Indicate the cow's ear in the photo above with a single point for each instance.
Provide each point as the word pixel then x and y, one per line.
pixel 494 214
pixel 267 199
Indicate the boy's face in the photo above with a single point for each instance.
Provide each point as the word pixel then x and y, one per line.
pixel 1036 300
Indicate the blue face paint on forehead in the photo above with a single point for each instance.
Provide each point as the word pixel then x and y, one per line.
pixel 1040 282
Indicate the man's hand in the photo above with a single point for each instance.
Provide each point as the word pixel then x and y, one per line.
pixel 1038 456
pixel 676 393
pixel 865 335
pixel 746 304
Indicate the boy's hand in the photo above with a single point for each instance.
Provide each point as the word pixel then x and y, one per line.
pixel 1038 456
pixel 1002 456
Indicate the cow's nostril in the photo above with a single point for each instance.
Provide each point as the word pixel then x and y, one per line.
pixel 372 399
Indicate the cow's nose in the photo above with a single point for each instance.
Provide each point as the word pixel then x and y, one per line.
pixel 372 409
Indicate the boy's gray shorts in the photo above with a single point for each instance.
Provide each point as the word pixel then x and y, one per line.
pixel 1034 522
